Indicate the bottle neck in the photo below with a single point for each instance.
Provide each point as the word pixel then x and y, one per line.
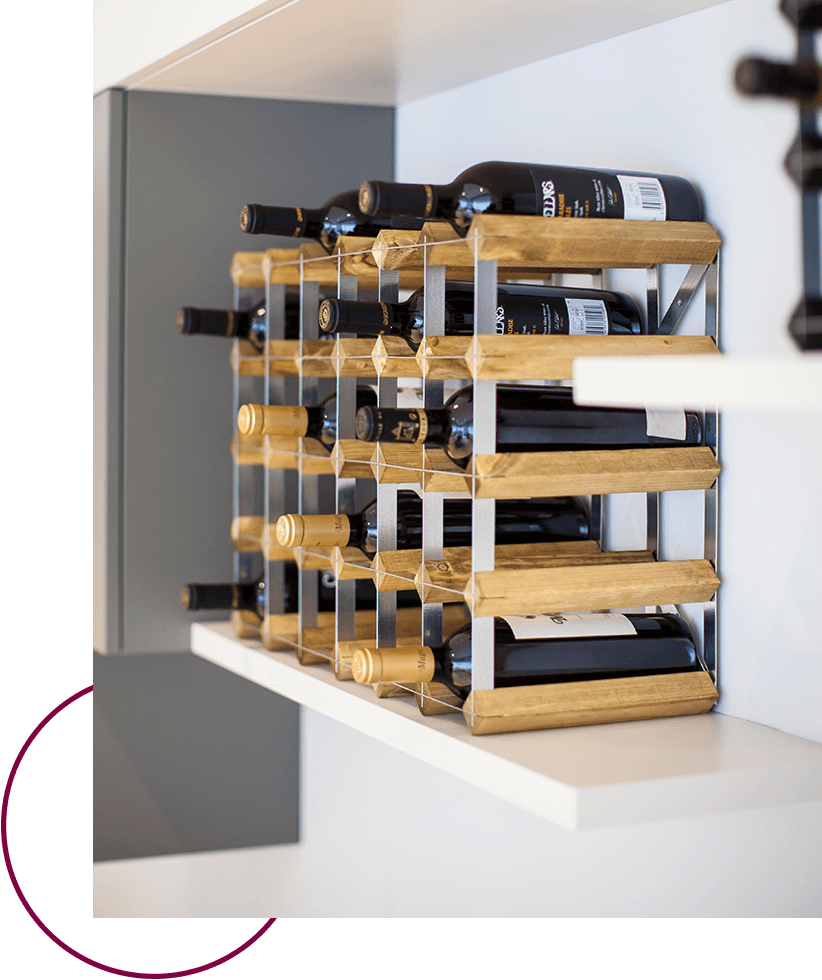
pixel 214 323
pixel 231 595
pixel 314 530
pixel 458 202
pixel 273 420
pixel 370 319
pixel 399 665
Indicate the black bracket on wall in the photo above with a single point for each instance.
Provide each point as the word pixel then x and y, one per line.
pixel 802 82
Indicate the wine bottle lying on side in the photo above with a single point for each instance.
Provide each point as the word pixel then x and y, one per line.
pixel 521 310
pixel 517 522
pixel 250 596
pixel 243 324
pixel 314 421
pixel 499 187
pixel 542 650
pixel 340 215
pixel 530 418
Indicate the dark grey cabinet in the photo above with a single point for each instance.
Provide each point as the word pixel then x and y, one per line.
pixel 172 172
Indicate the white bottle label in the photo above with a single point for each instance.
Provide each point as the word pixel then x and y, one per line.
pixel 566 625
pixel 587 316
pixel 666 423
pixel 643 198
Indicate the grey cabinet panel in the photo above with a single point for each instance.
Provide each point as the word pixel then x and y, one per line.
pixel 187 756
pixel 174 189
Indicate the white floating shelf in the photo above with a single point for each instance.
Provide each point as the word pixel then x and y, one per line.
pixel 590 776
pixel 790 384
pixel 377 52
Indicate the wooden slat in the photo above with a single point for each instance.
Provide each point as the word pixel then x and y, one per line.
pixel 318 266
pixel 396 463
pixel 393 358
pixel 441 474
pixel 437 579
pixel 511 592
pixel 350 563
pixel 547 474
pixel 509 358
pixel 246 624
pixel 247 269
pixel 403 250
pixel 313 461
pixel 318 358
pixel 315 557
pixel 352 458
pixel 352 357
pixel 396 571
pixel 518 709
pixel 436 699
pixel 247 361
pixel 530 240
pixel 357 259
pixel 247 450
pixel 441 358
pixel 280 633
pixel 250 534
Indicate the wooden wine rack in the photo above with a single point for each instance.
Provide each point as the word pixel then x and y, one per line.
pixel 275 476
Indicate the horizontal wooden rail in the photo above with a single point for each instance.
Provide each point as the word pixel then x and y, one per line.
pixel 523 591
pixel 439 244
pixel 352 458
pixel 518 709
pixel 533 241
pixel 436 579
pixel 393 358
pixel 398 570
pixel 556 474
pixel 283 453
pixel 509 358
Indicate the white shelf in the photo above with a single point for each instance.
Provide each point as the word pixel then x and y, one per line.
pixel 376 52
pixel 590 776
pixel 791 384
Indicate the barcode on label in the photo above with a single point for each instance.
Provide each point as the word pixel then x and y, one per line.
pixel 587 316
pixel 643 198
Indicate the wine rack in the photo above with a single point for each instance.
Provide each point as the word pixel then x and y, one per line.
pixel 275 476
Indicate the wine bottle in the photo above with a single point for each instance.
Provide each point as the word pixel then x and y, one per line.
pixel 532 188
pixel 520 310
pixel 250 596
pixel 243 324
pixel 314 421
pixel 543 650
pixel 338 216
pixel 517 522
pixel 530 418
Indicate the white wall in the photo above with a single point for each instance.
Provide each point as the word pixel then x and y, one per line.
pixel 385 835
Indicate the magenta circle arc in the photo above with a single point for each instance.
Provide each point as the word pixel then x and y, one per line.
pixel 56 939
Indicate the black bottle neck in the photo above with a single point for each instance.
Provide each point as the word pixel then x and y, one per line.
pixel 244 595
pixel 322 419
pixel 340 215
pixel 369 319
pixel 214 323
pixel 424 201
